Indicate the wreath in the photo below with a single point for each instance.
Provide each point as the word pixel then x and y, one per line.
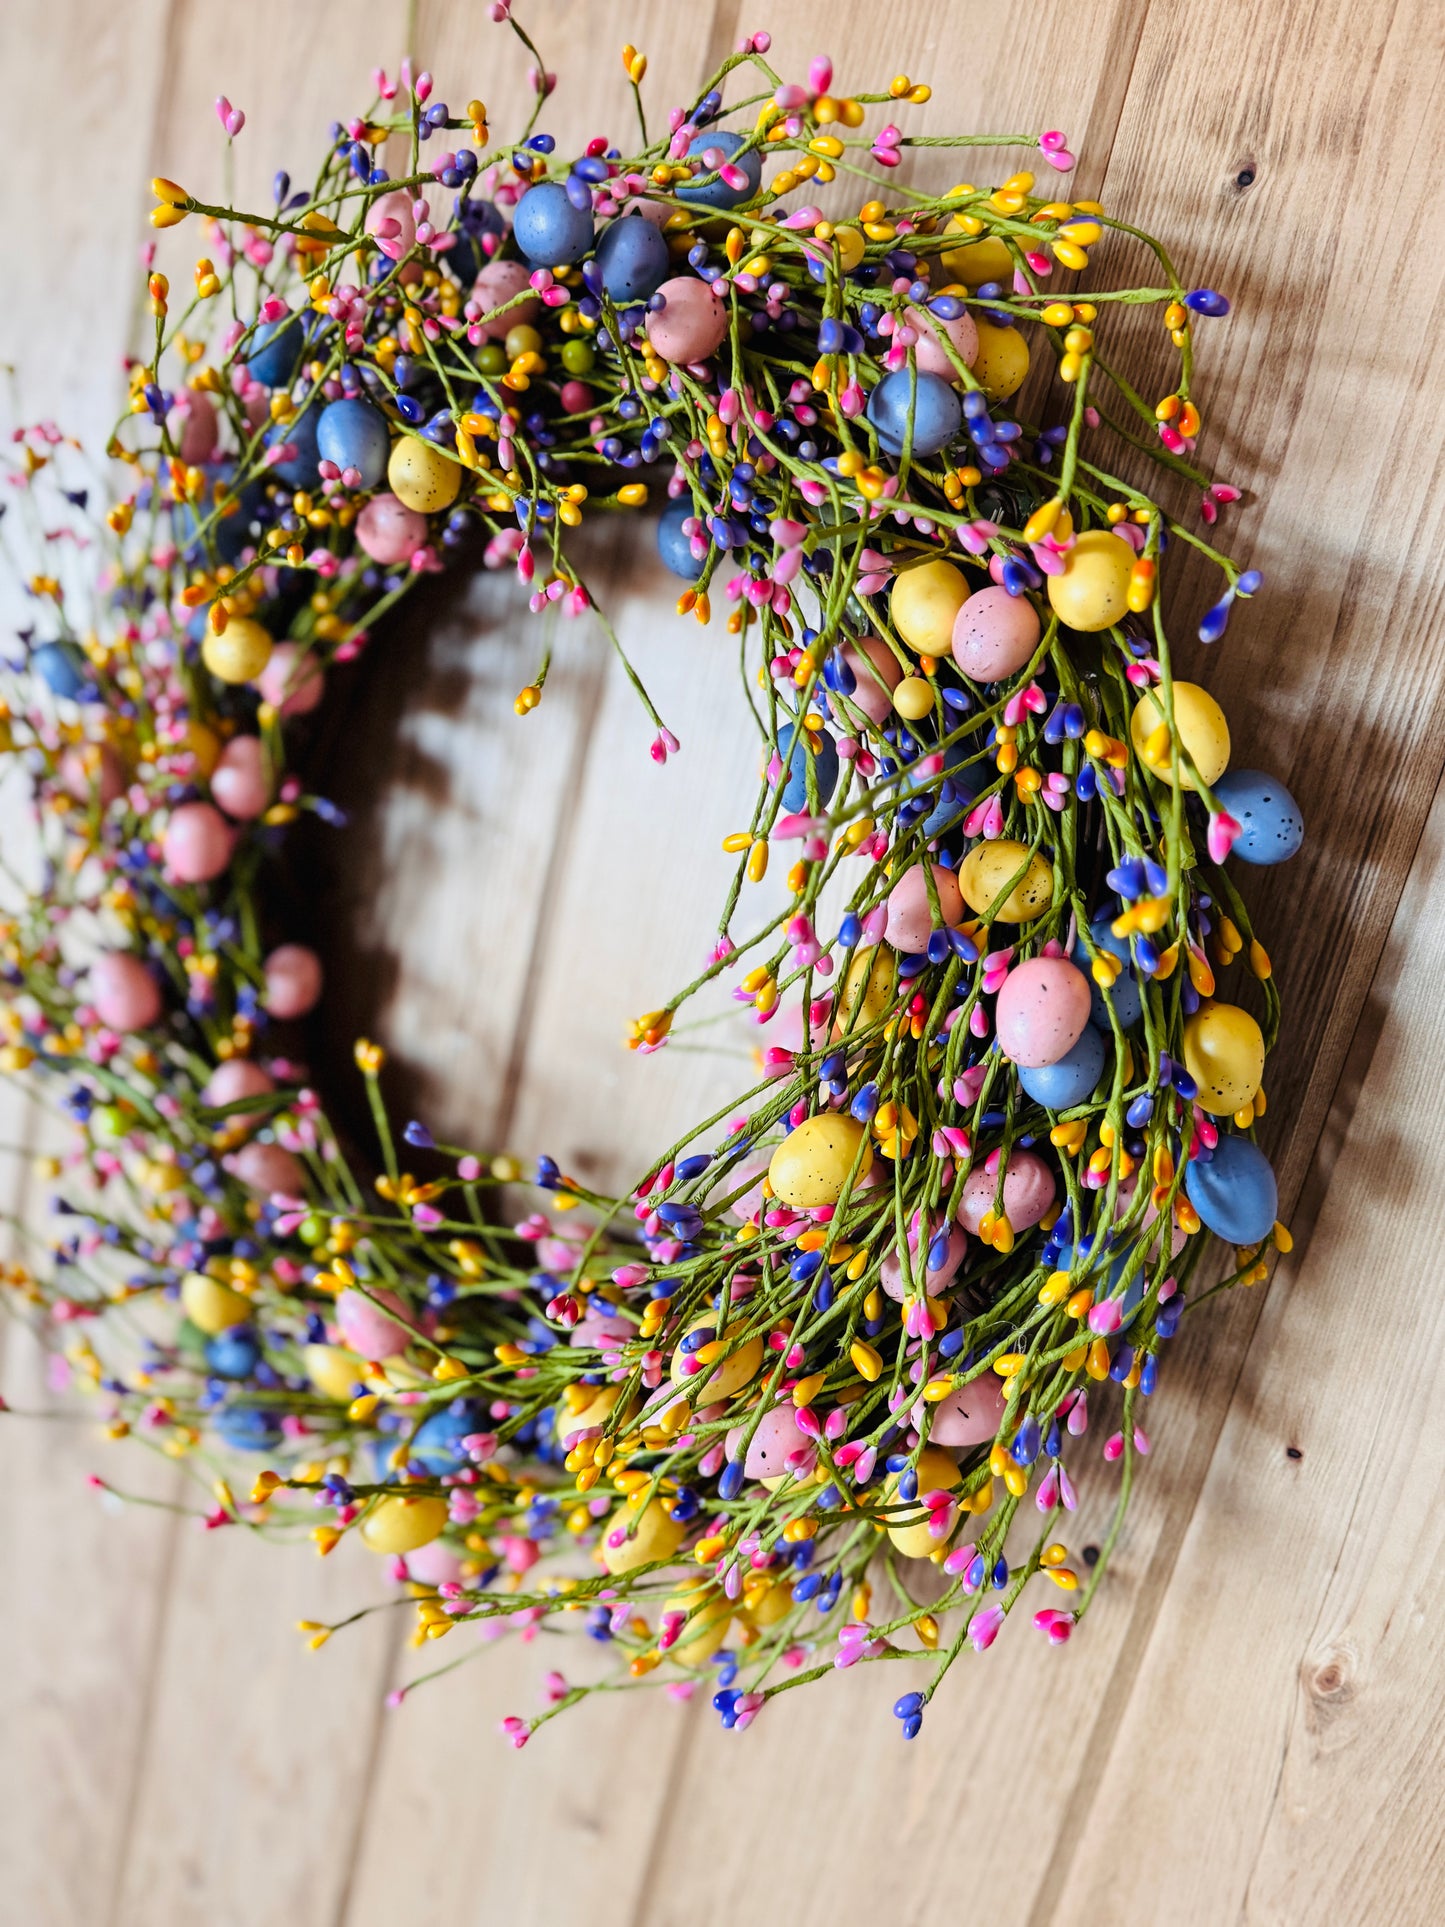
pixel 816 1391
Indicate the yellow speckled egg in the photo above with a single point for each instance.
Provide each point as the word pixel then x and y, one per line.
pixel 600 1401
pixel 811 1165
pixel 1203 734
pixel 979 261
pixel 987 869
pixel 239 653
pixel 721 1382
pixel 401 1523
pixel 1224 1054
pixel 421 476
pixel 210 1305
pixel 766 1605
pixel 658 1536
pixel 868 988
pixel 1003 361
pixel 909 1529
pixel 923 605
pixel 709 1616
pixel 1093 590
pixel 334 1372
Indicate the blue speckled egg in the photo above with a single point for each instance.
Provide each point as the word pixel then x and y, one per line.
pixel 353 434
pixel 673 546
pixel 299 470
pixel 234 1353
pixel 1271 827
pixel 963 780
pixel 718 193
pixel 548 229
pixel 276 351
pixel 438 1441
pixel 247 1428
pixel 937 412
pixel 1072 1080
pixel 1235 1192
pixel 633 258
pixel 1125 997
pixel 63 668
pixel 796 758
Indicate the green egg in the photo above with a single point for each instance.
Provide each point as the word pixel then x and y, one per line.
pixel 578 357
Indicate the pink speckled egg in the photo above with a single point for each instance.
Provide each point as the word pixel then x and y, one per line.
pixel 434 1565
pixel 268 1168
pixel 389 531
pixel 910 914
pixel 890 1274
pixel 293 981
pixel 195 427
pixel 391 220
pixel 994 634
pixel 239 781
pixel 870 659
pixel 778 1435
pixel 92 769
pixel 366 1329
pixel 1028 1191
pixel 601 1329
pixel 238 1077
pixel 1042 1010
pixel 497 283
pixel 692 325
pixel 125 994
pixel 197 843
pixel 969 1416
pixel 290 691
pixel 931 358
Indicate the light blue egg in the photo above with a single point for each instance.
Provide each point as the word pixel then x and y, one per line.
pixel 1072 1080
pixel 298 470
pixel 633 258
pixel 438 1441
pixel 276 351
pixel 548 229
pixel 1271 826
pixel 1125 996
pixel 717 193
pixel 1133 1295
pixel 937 412
pixel 63 668
pixel 795 761
pixel 964 779
pixel 673 546
pixel 1235 1193
pixel 353 434
pixel 234 1353
pixel 247 1428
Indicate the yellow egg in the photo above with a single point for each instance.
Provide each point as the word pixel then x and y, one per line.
pixel 923 604
pixel 239 653
pixel 717 1383
pixel 205 745
pixel 212 1306
pixel 600 1401
pixel 913 698
pixel 979 261
pixel 709 1616
pixel 658 1536
pixel 421 476
pixel 334 1372
pixel 1002 362
pixel 768 1604
pixel 908 1529
pixel 1203 735
pixel 1224 1054
pixel 401 1523
pixel 868 988
pixel 811 1165
pixel 987 869
pixel 1093 590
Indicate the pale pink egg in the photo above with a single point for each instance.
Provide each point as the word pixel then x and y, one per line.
pixel 496 284
pixel 692 325
pixel 290 691
pixel 994 634
pixel 389 531
pixel 750 1173
pixel 268 1168
pixel 293 981
pixel 92 769
pixel 125 994
pixel 366 1329
pixel 1041 1011
pixel 787 1029
pixel 910 913
pixel 875 702
pixel 392 212
pixel 891 1277
pixel 601 1329
pixel 434 1565
pixel 1028 1191
pixel 778 1435
pixel 576 398
pixel 931 358
pixel 195 427
pixel 238 1077
pixel 969 1416
pixel 239 782
pixel 257 407
pixel 197 843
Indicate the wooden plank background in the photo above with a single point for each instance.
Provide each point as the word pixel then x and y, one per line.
pixel 1246 1729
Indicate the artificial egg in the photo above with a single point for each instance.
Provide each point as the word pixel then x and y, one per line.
pixel 293 981
pixel 1203 734
pixel 633 258
pixel 1042 1011
pixel 908 1527
pixel 1234 1191
pixel 876 673
pixel 924 604
pixel 921 403
pixel 775 1441
pixel 239 653
pixel 1028 1191
pixel 914 698
pixel 1271 826
pixel 125 995
pixel 496 284
pixel 990 867
pixel 994 634
pixel 1224 1054
pixel 389 531
pixel 334 1372
pixel 365 1326
pixel 1092 591
pixel 721 141
pixel 930 354
pixel 969 1415
pixel 240 781
pixel 1002 362
pixel 977 263
pixel 197 843
pixel 422 477
pixel 268 1169
pixel 400 1522
pixel 354 435
pixel 717 1383
pixel 692 323
pixel 936 1278
pixel 910 912
pixel 811 1165
pixel 867 989
pixel 549 230
pixel 1072 1079
pixel 709 1613
pixel 211 1306
pixel 229 1082
pixel 655 1535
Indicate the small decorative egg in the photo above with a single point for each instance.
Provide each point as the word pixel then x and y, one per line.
pixel 1234 1191
pixel 390 532
pixel 548 229
pixel 239 653
pixel 777 1438
pixel 63 668
pixel 655 1535
pixel 1124 994
pixel 1070 1081
pixel 1042 1011
pixel 292 681
pixel 765 1604
pixel 908 1524
pixel 293 981
pixel 936 1278
pixel 364 1326
pixel 811 1165
pixel 1093 590
pixel 1271 826
pixel 929 353
pixel 335 1373
pixel 195 427
pixel 914 698
pixel 976 263
pixel 1028 1191
pixel 989 868
pixel 994 634
pixel 402 1522
pixel 234 1353
pixel 93 770
pixel 633 257
pixel 277 348
pixel 867 989
pixel 709 1615
pixel 498 283
pixel 422 477
pixel 924 604
pixel 434 1564
pixel 596 1408
pixel 796 758
pixel 300 469
pixel 354 434
pixel 211 1306
pixel 1203 734
pixel 720 141
pixel 240 781
pixel 910 912
pixel 269 1169
pixel 390 220
pixel 1002 362
pixel 717 1383
pixel 197 843
pixel 232 1080
pixel 673 545
pixel 876 672
pixel 927 401
pixel 1224 1054
pixel 576 398
pixel 125 994
pixel 437 1441
pixel 692 325
pixel 971 1415
pixel 247 1428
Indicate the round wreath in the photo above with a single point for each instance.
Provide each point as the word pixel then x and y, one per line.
pixel 880 1300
